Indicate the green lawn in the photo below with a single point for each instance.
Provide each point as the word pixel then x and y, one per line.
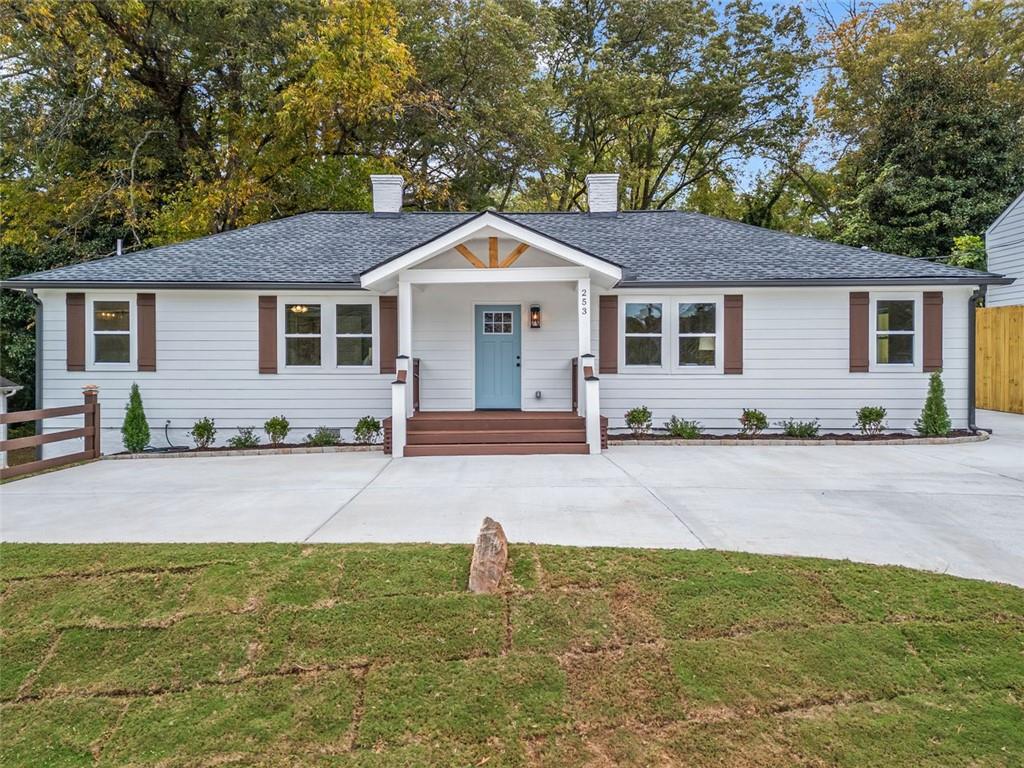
pixel 272 655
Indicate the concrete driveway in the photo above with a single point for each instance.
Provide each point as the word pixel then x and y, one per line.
pixel 953 508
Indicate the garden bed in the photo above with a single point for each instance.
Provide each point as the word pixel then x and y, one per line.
pixel 842 438
pixel 263 450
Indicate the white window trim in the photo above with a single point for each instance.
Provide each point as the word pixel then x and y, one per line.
pixel 914 367
pixel 665 332
pixel 374 365
pixel 90 338
pixel 670 334
pixel 328 334
pixel 699 370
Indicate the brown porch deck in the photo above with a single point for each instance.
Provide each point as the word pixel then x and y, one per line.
pixel 490 433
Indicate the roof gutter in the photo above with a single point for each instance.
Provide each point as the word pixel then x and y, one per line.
pixel 20 285
pixel 648 284
pixel 839 281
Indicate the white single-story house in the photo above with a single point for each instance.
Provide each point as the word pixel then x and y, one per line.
pixel 1004 244
pixel 503 332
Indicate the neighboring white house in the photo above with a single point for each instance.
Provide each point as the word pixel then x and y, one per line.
pixel 463 327
pixel 1004 244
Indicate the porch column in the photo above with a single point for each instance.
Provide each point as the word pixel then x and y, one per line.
pixel 583 302
pixel 405 336
pixel 405 318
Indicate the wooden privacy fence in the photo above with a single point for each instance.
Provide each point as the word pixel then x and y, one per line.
pixel 90 431
pixel 999 350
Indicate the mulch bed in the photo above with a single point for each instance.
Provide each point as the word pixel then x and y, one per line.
pixel 846 437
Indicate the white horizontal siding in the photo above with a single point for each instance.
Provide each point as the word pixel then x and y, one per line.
pixel 1004 243
pixel 796 361
pixel 207 345
pixel 795 365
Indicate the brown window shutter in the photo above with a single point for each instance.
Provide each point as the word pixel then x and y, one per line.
pixel 932 331
pixel 76 331
pixel 388 333
pixel 268 334
pixel 608 334
pixel 734 334
pixel 859 328
pixel 145 305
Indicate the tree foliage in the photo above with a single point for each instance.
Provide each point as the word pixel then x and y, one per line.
pixel 159 120
pixel 925 103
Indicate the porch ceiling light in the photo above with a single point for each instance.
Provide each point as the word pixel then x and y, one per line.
pixel 535 316
pixel 299 309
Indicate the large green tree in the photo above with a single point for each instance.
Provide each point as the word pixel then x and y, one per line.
pixel 476 123
pixel 945 159
pixel 666 93
pixel 158 121
pixel 923 104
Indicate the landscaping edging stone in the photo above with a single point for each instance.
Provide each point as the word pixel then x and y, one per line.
pixel 245 452
pixel 980 437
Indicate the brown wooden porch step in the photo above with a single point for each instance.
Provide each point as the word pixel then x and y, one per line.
pixel 494 449
pixel 533 435
pixel 493 420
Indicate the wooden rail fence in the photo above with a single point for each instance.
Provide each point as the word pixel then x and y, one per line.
pixel 90 431
pixel 999 350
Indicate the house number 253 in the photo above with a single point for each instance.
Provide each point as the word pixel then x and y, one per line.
pixel 584 301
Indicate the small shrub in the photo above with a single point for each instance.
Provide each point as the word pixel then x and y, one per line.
pixel 802 429
pixel 753 421
pixel 203 432
pixel 688 430
pixel 639 420
pixel 135 429
pixel 246 438
pixel 368 430
pixel 276 428
pixel 321 437
pixel 871 419
pixel 934 421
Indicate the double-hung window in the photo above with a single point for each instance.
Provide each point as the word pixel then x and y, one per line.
pixel 697 333
pixel 111 332
pixel 894 331
pixel 354 334
pixel 643 333
pixel 302 335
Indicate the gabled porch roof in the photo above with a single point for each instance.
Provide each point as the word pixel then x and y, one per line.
pixel 494 225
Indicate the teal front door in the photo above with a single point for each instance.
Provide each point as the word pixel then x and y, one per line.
pixel 498 358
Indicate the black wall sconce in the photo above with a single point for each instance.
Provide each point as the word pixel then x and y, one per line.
pixel 535 316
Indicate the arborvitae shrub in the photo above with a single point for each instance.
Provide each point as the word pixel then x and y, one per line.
pixel 135 430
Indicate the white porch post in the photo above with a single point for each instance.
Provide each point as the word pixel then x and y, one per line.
pixel 398 388
pixel 405 337
pixel 583 311
pixel 589 386
pixel 593 397
pixel 583 318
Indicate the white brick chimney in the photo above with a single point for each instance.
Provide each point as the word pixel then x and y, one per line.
pixel 387 193
pixel 603 192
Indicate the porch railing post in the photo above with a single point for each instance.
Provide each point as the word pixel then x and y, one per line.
pixel 399 388
pixel 90 393
pixel 592 403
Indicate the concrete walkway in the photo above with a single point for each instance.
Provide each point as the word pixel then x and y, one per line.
pixel 954 508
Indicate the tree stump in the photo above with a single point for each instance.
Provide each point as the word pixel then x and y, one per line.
pixel 489 558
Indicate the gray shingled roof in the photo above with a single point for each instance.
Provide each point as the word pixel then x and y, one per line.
pixel 650 246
